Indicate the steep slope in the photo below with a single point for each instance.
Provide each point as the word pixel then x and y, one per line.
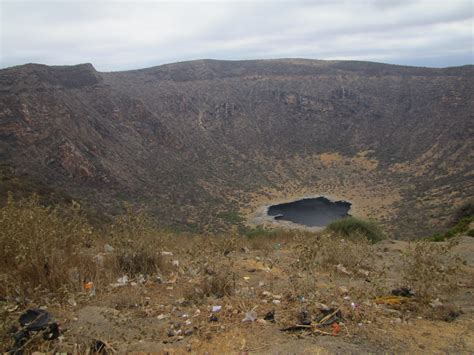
pixel 193 139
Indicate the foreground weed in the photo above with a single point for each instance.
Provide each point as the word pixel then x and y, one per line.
pixel 429 268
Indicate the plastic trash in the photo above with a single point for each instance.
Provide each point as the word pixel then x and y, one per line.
pixel 403 291
pixel 216 309
pixel 304 317
pixel 123 280
pixel 250 317
pixel 32 321
pixel 270 316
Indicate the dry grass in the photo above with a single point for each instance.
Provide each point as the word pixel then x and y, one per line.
pixel 429 268
pixel 327 250
pixel 43 249
pixel 137 245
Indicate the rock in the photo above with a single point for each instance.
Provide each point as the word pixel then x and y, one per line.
pixel 344 290
pixel 72 302
pixel 436 303
pixel 108 248
pixel 322 307
pixel 342 269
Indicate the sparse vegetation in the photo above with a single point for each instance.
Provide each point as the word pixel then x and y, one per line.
pixel 137 244
pixel 231 217
pixel 185 276
pixel 460 224
pixel 325 251
pixel 43 248
pixel 354 228
pixel 429 268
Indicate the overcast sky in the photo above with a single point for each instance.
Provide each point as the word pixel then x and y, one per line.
pixel 119 35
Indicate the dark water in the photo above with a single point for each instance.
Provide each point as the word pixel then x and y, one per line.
pixel 311 212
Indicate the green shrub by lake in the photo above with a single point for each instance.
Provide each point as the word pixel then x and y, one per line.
pixel 351 227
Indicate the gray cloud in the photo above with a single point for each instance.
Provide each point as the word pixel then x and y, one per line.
pixel 118 35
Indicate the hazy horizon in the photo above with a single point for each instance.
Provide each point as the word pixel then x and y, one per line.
pixel 125 35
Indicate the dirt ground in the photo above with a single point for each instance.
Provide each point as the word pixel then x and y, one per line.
pixel 168 314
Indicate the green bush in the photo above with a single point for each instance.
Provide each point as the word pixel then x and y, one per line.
pixel 463 212
pixel 231 217
pixel 461 227
pixel 351 228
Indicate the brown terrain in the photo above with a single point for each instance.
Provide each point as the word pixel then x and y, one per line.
pixel 195 141
pixel 132 208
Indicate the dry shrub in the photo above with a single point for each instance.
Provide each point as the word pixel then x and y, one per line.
pixel 209 259
pixel 42 248
pixel 221 284
pixel 137 244
pixel 429 268
pixel 326 250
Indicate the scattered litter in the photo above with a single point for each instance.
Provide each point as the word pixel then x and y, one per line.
pixel 261 284
pixel 108 248
pixel 162 316
pixel 391 300
pixel 246 278
pixel 166 253
pixel 34 321
pixel 123 280
pixel 336 329
pixel 329 317
pixel 197 313
pixel 403 291
pixel 326 318
pixel 451 315
pixel 176 263
pixel 304 317
pixel 276 301
pixel 266 294
pixel 270 316
pixel 250 316
pixel 216 309
pixel 101 347
pixel 213 318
